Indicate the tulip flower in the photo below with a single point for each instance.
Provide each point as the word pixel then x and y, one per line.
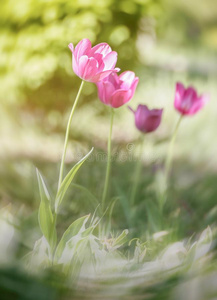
pixel 93 64
pixel 116 90
pixel 147 120
pixel 187 101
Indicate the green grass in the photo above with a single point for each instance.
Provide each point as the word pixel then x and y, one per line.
pixel 30 140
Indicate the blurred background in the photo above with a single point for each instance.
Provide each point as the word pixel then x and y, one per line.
pixel 162 41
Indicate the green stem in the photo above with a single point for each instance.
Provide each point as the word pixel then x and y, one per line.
pixel 168 164
pixel 137 174
pixel 108 161
pixel 67 135
pixel 53 237
pixel 170 151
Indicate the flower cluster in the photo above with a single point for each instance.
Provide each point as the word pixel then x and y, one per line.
pixel 97 64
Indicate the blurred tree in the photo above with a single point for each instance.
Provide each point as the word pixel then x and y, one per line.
pixel 35 63
pixel 34 36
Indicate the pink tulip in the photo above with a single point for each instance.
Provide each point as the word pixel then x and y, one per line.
pixel 116 90
pixel 93 64
pixel 187 101
pixel 147 120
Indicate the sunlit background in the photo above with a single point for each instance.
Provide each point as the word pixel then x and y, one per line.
pixel 162 41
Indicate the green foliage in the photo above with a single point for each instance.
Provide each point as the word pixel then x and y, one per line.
pixel 34 38
pixel 68 179
pixel 120 240
pixel 45 215
pixel 35 70
pixel 16 284
pixel 74 229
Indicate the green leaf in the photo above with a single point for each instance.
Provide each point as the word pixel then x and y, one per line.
pixel 110 212
pixel 87 231
pixel 201 247
pixel 204 243
pixel 41 254
pixel 121 239
pixel 76 227
pixel 76 247
pixel 68 179
pixel 45 216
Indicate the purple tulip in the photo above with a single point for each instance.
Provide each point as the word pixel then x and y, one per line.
pixel 116 90
pixel 147 120
pixel 187 101
pixel 93 64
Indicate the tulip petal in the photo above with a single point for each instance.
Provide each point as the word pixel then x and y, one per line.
pixel 110 60
pixel 82 62
pixel 152 123
pixel 199 104
pixel 102 48
pixel 141 115
pixel 75 65
pixel 71 47
pixel 99 59
pixel 105 91
pixel 120 97
pixel 89 69
pixel 82 48
pixel 130 108
pixel 180 90
pixel 127 79
pixel 100 89
pixel 134 85
pixel 188 100
pixel 101 75
pixel 190 93
pixel 147 120
pixel 113 78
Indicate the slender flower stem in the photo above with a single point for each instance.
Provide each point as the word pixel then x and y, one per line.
pixel 168 163
pixel 170 151
pixel 53 236
pixel 108 161
pixel 137 173
pixel 67 135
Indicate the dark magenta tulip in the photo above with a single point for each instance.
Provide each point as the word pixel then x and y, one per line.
pixel 147 120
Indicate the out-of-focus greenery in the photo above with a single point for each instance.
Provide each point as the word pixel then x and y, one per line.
pixel 163 41
pixel 35 35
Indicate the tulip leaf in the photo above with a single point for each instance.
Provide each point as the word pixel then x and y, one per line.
pixel 67 180
pixel 74 229
pixel 45 216
pixel 76 247
pixel 121 239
